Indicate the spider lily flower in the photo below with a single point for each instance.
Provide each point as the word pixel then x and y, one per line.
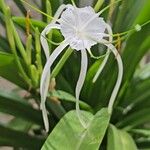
pixel 82 28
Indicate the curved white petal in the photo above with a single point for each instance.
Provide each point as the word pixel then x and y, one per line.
pixel 80 82
pixel 59 11
pixel 44 84
pixel 120 75
pixel 45 80
pixel 45 117
pixel 107 55
pixel 43 37
pixel 50 26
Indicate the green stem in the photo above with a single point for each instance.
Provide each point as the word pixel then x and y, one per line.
pixel 48 10
pixel 3 6
pixel 22 20
pixel 73 3
pixel 34 75
pixel 9 28
pixel 36 9
pixel 61 62
pixel 111 9
pixel 19 44
pixel 131 30
pixel 38 51
pixel 107 7
pixel 29 49
pixel 98 5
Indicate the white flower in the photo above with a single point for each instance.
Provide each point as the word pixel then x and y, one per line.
pixel 82 28
pixel 78 24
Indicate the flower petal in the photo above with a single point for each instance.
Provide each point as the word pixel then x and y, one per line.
pixel 45 80
pixel 45 117
pixel 46 77
pixel 52 25
pixel 43 37
pixel 80 82
pixel 120 75
pixel 59 11
pixel 107 55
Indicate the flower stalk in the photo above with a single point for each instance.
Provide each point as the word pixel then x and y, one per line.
pixel 61 63
pixel 98 5
pixel 38 51
pixel 20 45
pixel 29 49
pixel 10 29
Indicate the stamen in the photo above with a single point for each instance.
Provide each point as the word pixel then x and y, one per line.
pixel 133 29
pixel 95 57
pixel 138 27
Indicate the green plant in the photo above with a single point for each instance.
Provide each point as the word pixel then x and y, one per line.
pixel 22 62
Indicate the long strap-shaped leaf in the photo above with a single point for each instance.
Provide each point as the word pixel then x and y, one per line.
pixel 20 6
pixel 14 138
pixel 14 105
pixel 9 71
pixel 135 119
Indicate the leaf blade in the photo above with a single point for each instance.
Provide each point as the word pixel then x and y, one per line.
pixel 76 137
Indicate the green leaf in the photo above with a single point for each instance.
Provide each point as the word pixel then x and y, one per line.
pixel 69 2
pixel 137 95
pixel 20 6
pixel 9 71
pixel 4 45
pixel 91 91
pixel 14 105
pixel 143 143
pixel 2 19
pixel 9 137
pixel 69 98
pixel 143 132
pixel 21 21
pixel 130 11
pixel 134 50
pixel 119 140
pixel 20 125
pixel 135 119
pixel 143 39
pixel 143 72
pixel 54 5
pixel 64 84
pixel 70 134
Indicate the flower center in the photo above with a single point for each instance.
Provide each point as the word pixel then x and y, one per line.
pixel 80 34
pixel 77 27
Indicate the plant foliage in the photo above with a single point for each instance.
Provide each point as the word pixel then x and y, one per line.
pixel 22 62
